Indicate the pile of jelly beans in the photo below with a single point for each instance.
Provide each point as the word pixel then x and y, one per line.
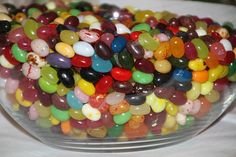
pixel 108 72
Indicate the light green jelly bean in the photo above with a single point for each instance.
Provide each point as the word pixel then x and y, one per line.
pixel 232 78
pixel 201 25
pixel 42 110
pixel 30 29
pixel 141 27
pixel 194 93
pixel 43 123
pixel 142 78
pixel 19 54
pixel 59 10
pixel 140 110
pixel 32 10
pixel 148 42
pixel 121 119
pixel 154 32
pixel 76 77
pixel 74 12
pixel 201 48
pixel 59 114
pixel 69 37
pixel 49 74
pixel 46 86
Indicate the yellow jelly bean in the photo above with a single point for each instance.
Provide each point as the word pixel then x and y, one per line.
pixel 151 99
pixel 183 29
pixel 20 99
pixel 215 73
pixel 165 131
pixel 90 19
pixel 206 88
pixel 213 96
pixel 62 90
pixel 197 65
pixel 53 120
pixel 194 93
pixel 172 109
pixel 170 122
pixel 15 107
pixel 59 20
pixel 225 72
pixel 79 134
pixel 159 105
pixel 43 111
pixel 65 49
pixel 86 87
pixel 76 114
pixel 158 15
pixel 64 15
pixel 141 16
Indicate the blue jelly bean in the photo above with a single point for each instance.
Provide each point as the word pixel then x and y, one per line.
pixel 100 65
pixel 118 44
pixel 73 101
pixel 182 75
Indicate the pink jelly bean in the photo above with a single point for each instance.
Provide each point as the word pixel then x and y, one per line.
pixel 81 96
pixel 11 85
pixel 33 114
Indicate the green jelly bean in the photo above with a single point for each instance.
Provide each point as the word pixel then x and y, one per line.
pixel 115 131
pixel 126 60
pixel 69 37
pixel 150 135
pixel 232 78
pixel 189 122
pixel 201 47
pixel 142 78
pixel 59 114
pixel 46 86
pixel 60 10
pixel 154 32
pixel 201 25
pixel 121 119
pixel 19 54
pixel 148 42
pixel 232 69
pixel 74 12
pixel 32 10
pixel 43 123
pixel 141 27
pixel 49 74
pixel 30 29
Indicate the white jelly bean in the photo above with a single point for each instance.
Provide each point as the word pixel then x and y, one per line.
pixel 114 98
pixel 91 113
pixel 40 47
pixel 122 29
pixel 36 60
pixel 31 71
pixel 96 25
pixel 181 118
pixel 5 17
pixel 84 49
pixel 201 32
pixel 227 45
pixel 5 63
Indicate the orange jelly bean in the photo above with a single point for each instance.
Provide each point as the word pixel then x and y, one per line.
pixel 211 60
pixel 200 76
pixel 211 29
pixel 131 133
pixel 177 47
pixel 119 108
pixel 205 108
pixel 66 127
pixel 163 51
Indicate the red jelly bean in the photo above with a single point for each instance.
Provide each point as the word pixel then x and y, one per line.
pixel 4 72
pixel 45 32
pixel 30 94
pixel 178 98
pixel 121 74
pixel 24 44
pixel 144 65
pixel 94 124
pixel 16 34
pixel 44 98
pixel 152 21
pixel 96 100
pixel 81 61
pixel 219 50
pixel 104 84
pixel 232 40
pixel 174 30
pixel 72 21
pixel 107 120
pixel 79 124
pixel 107 38
pixel 8 55
pixel 134 35
pixel 221 84
pixel 190 51
pixel 230 57
pixel 205 107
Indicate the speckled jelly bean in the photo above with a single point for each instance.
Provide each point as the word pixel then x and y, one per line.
pixel 40 47
pixel 31 71
pixel 91 113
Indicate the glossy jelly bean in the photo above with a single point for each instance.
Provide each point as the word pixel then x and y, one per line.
pixel 59 114
pixel 143 89
pixel 164 92
pixel 132 133
pixel 81 61
pixel 141 27
pixel 71 21
pixel 42 110
pixel 183 86
pixel 91 113
pixel 145 66
pixel 80 95
pixel 90 75
pixel 107 38
pixel 30 28
pixel 58 61
pixel 163 51
pixel 62 90
pixel 100 65
pixel 31 71
pixel 194 93
pixel 35 60
pixel 232 69
pixel 212 60
pixel 148 42
pixel 121 74
pixel 45 32
pixel 143 109
pixel 49 74
pixel 206 88
pixel 201 48
pixel 114 98
pixel 16 34
pixel 160 79
pixel 219 50
pixel 33 114
pixel 20 55
pixel 121 119
pixel 123 87
pixel 69 37
pixel 5 17
pixel 20 99
pixel 163 66
pixel 178 98
pixel 178 62
pixel 86 87
pixel 83 48
pixel 135 49
pixel 213 96
pixel 118 44
pixel 115 131
pixel 11 85
pixel 40 47
pixel 25 44
pixel 76 114
pixel 65 50
pixel 142 78
pixel 9 56
pixel 205 108
pixel 135 100
pixel 46 86
pixel 227 45
pixel 66 77
pixel 181 75
pixel 190 51
pixel 60 102
pixel 104 84
pixel 172 109
pixel 102 50
pixel 177 47
pixel 170 122
pixel 120 108
pixel 126 60
pixel 73 101
pixel 200 76
pixel 122 29
pixel 88 36
pixel 215 73
pixel 157 105
pixel 5 63
pixel 197 65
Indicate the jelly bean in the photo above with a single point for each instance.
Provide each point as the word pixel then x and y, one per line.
pixel 3 9
pixel 40 47
pixel 5 17
pixel 178 98
pixel 102 50
pixel 62 90
pixel 98 101
pixel 126 60
pixel 135 49
pixel 118 44
pixel 5 63
pixel 182 76
pixel 205 107
pixel 142 78
pixel 123 87
pixel 11 85
pixel 66 127
pixel 213 96
pixel 44 98
pixel 121 74
pixel 33 115
pixel 178 62
pixel 201 48
pixel 9 56
pixel 163 66
pixel 181 119
pixel 227 45
pixel 20 99
pixel 197 65
pixel 206 88
pixel 131 133
pixel 65 50
pixel 86 87
pixel 164 92
pixel 122 29
pixel 104 84
pixel 79 124
pixel 107 38
pixel 232 69
pixel 83 48
pixel 218 50
pixel 114 98
pixel 16 34
pixel 143 109
pixel 200 76
pixel 43 123
pixel 35 60
pixel 81 61
pixel 170 122
pixel 186 108
pixel 135 100
pixel 69 37
pixel 71 21
pixel 76 114
pixel 89 19
pixel 107 120
pixel 100 132
pixel 120 108
pixel 163 51
pixel 157 105
pixel 183 86
pixel 145 66
pixel 73 101
pixel 59 114
pixel 42 110
pixel 46 86
pixel 90 75
pixel 177 47
pixel 66 77
pixel 88 36
pixel 212 60
pixel 141 27
pixel 160 79
pixel 58 61
pixel 215 73
pixel 20 55
pixel 194 93
pixel 95 25
pixel 31 71
pixel 141 16
pixel 80 95
pixel 223 32
pixel 5 26
pixel 143 89
pixel 190 51
pixel 49 74
pixel 60 102
pixel 171 109
pixel 45 32
pixel 30 28
pixel 121 119
pixel 91 113
pixel 100 65
pixel 115 131
pixel 148 42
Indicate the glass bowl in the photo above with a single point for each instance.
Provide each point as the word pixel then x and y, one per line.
pixel 78 141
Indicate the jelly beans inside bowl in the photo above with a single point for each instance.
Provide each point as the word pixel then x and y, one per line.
pixel 114 78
